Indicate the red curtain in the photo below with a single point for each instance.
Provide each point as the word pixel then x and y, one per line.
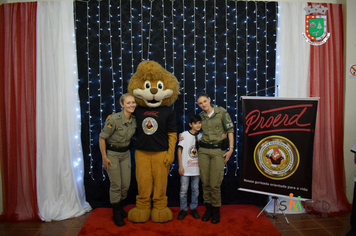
pixel 326 82
pixel 18 111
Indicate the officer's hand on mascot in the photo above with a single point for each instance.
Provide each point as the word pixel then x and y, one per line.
pixel 106 163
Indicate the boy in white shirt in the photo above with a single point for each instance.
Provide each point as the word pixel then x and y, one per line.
pixel 189 167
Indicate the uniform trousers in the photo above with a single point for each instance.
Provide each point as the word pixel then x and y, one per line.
pixel 211 168
pixel 119 174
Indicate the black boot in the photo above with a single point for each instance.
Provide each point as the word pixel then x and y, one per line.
pixel 116 214
pixel 123 212
pixel 215 215
pixel 207 213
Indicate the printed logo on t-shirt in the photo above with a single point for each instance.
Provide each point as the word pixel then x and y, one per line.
pixel 193 152
pixel 149 125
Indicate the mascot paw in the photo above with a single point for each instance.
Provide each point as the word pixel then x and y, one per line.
pixel 139 215
pixel 168 161
pixel 161 215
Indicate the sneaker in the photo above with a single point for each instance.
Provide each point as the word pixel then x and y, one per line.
pixel 181 215
pixel 195 214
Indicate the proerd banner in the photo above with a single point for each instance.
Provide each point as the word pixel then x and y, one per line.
pixel 278 137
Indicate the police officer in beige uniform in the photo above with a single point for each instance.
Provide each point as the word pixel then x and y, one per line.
pixel 114 142
pixel 213 154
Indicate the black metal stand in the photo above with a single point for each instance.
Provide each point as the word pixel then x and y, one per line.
pixel 274 209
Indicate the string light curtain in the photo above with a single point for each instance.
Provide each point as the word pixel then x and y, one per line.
pixel 223 48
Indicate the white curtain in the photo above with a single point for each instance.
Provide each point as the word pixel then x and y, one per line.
pixel 292 77
pixel 60 188
pixel 292 67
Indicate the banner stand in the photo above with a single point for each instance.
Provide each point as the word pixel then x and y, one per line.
pixel 275 199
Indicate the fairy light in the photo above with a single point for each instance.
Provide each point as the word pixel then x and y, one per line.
pixel 100 67
pixel 149 31
pixel 195 60
pixel 121 49
pixel 256 45
pixel 206 59
pixel 237 89
pixel 246 55
pixel 184 60
pixel 277 61
pixel 226 50
pixel 89 96
pixel 266 54
pixel 77 108
pixel 173 38
pixel 215 43
pixel 226 70
pixel 164 36
pixel 111 61
pixel 131 39
pixel 142 36
pixel 201 24
pixel 99 76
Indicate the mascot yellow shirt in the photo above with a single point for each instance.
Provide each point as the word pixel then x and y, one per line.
pixel 153 126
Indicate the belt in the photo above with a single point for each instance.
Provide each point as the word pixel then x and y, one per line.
pixel 116 148
pixel 210 145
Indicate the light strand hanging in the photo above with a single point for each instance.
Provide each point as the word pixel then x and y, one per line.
pixel 149 32
pixel 111 61
pixel 184 59
pixel 132 46
pixel 237 89
pixel 164 37
pixel 195 61
pixel 91 173
pixel 205 58
pixel 121 50
pixel 215 43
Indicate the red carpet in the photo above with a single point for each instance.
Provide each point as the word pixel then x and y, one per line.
pixel 235 220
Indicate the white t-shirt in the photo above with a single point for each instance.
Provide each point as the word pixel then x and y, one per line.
pixel 189 154
pixel 353 149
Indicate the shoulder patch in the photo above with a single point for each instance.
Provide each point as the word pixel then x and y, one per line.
pixel 227 117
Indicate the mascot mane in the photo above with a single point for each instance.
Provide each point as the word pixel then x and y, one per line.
pixel 153 86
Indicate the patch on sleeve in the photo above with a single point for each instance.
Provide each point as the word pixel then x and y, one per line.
pixel 227 117
pixel 109 125
pixel 227 121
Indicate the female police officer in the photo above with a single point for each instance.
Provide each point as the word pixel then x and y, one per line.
pixel 212 156
pixel 114 143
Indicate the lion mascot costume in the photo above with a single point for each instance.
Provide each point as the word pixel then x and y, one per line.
pixel 154 89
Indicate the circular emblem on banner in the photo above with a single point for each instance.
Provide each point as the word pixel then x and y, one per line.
pixel 193 153
pixel 149 126
pixel 276 157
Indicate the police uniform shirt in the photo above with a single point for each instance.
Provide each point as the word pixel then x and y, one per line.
pixel 153 126
pixel 189 154
pixel 117 131
pixel 216 125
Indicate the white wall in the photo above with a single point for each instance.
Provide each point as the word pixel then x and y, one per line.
pixel 349 96
pixel 349 85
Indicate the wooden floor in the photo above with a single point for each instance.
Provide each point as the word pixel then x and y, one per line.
pixel 299 224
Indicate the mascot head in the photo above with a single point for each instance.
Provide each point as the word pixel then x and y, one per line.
pixel 276 154
pixel 153 86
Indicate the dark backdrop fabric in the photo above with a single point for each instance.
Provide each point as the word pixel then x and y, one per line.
pixel 224 48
